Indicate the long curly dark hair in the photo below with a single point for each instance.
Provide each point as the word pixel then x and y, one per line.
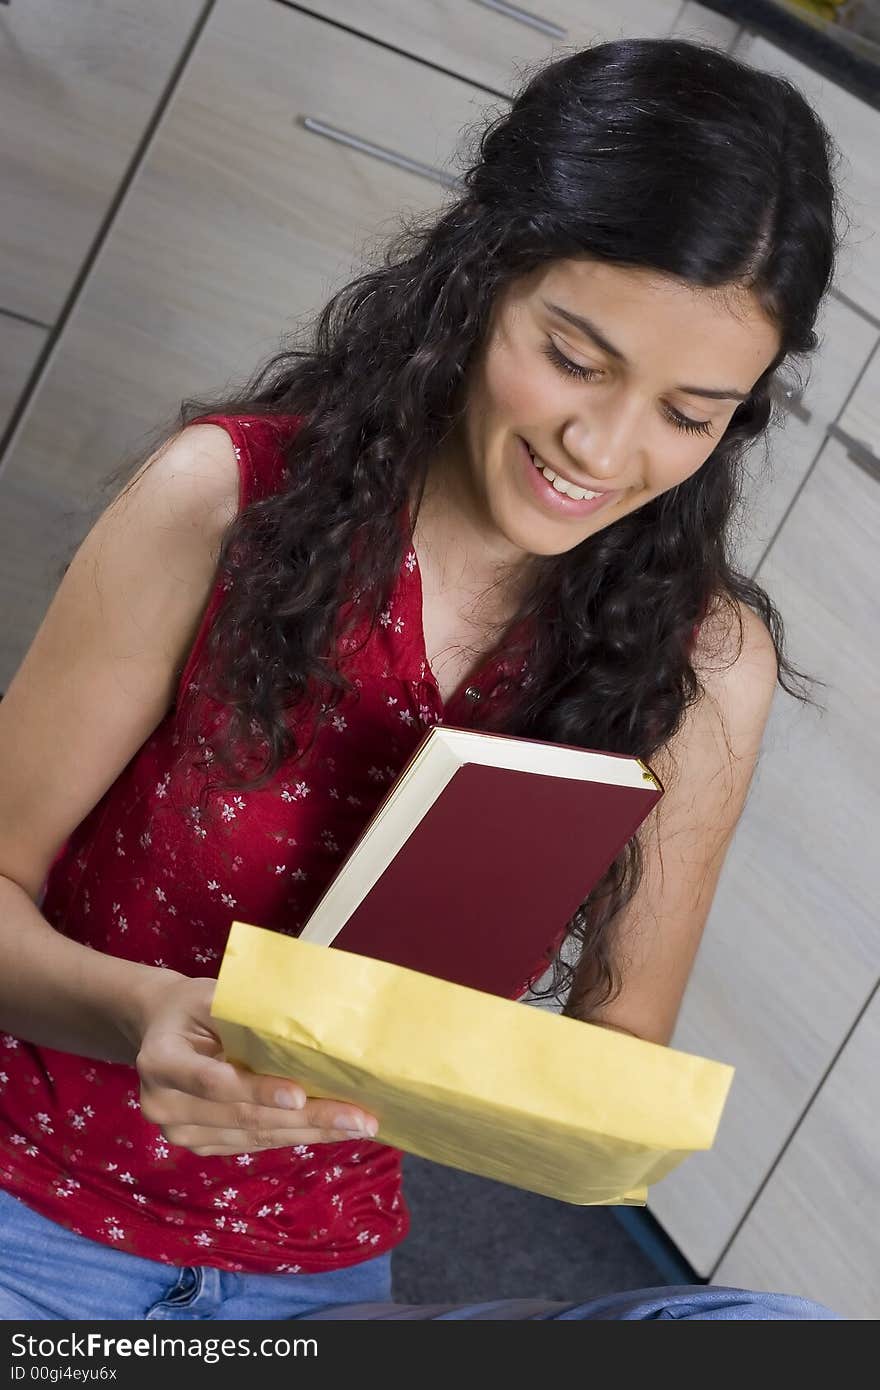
pixel 661 154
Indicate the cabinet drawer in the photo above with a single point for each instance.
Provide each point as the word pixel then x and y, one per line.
pixel 240 222
pixel 701 25
pixel 792 948
pixel 815 1229
pixel 491 41
pixel 861 419
pixel 846 341
pixel 78 86
pixel 20 346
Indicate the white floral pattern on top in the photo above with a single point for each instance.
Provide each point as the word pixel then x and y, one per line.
pixel 156 875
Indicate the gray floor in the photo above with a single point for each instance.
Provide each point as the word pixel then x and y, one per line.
pixel 473 1239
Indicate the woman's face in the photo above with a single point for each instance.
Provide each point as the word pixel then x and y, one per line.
pixel 620 381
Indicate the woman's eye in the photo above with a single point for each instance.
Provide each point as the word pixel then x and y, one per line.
pixel 681 422
pixel 565 364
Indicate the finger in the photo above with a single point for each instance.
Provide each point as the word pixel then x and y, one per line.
pixel 207 1141
pixel 167 1107
pixel 173 1063
pixel 338 1114
pixel 179 1086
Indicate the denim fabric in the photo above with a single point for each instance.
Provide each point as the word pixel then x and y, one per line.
pixel 688 1303
pixel 49 1272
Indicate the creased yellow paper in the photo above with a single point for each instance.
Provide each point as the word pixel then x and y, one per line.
pixel 487 1085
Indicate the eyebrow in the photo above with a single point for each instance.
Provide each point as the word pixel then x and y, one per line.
pixel 718 393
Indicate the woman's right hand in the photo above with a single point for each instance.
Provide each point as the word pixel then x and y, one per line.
pixel 210 1106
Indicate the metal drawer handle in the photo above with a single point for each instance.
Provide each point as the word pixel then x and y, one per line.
pixel 544 26
pixel 426 171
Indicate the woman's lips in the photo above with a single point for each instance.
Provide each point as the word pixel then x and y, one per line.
pixel 560 502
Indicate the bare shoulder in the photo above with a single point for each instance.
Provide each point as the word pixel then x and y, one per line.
pixel 735 660
pixel 194 478
pixel 103 668
pixel 721 732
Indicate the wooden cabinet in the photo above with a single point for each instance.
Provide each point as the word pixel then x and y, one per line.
pixel 79 85
pixel 813 1229
pixel 775 473
pixel 493 43
pixel 240 223
pixel 701 25
pixel 21 343
pixel 792 949
pixel 861 418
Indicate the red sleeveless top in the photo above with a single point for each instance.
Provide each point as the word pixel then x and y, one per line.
pixel 146 877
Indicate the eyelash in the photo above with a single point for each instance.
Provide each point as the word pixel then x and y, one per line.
pixel 681 422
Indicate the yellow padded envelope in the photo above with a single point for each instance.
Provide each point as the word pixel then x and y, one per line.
pixel 463 1078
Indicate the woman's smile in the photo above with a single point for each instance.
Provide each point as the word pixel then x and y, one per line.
pixel 558 494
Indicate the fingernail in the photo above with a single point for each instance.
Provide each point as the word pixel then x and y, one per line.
pixel 290 1100
pixel 350 1122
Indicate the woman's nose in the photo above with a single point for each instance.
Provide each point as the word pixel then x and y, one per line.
pixel 607 439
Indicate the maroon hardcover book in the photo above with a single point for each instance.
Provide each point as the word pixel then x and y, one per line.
pixel 486 882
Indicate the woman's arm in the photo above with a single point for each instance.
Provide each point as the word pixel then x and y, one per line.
pixel 98 678
pixel 707 769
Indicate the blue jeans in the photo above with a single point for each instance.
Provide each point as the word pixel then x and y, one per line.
pixel 49 1272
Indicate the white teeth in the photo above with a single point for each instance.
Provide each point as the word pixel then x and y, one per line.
pixel 560 484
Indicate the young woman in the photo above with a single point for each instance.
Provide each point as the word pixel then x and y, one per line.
pixel 497 491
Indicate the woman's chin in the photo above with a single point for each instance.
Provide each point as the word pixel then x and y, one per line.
pixel 527 541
